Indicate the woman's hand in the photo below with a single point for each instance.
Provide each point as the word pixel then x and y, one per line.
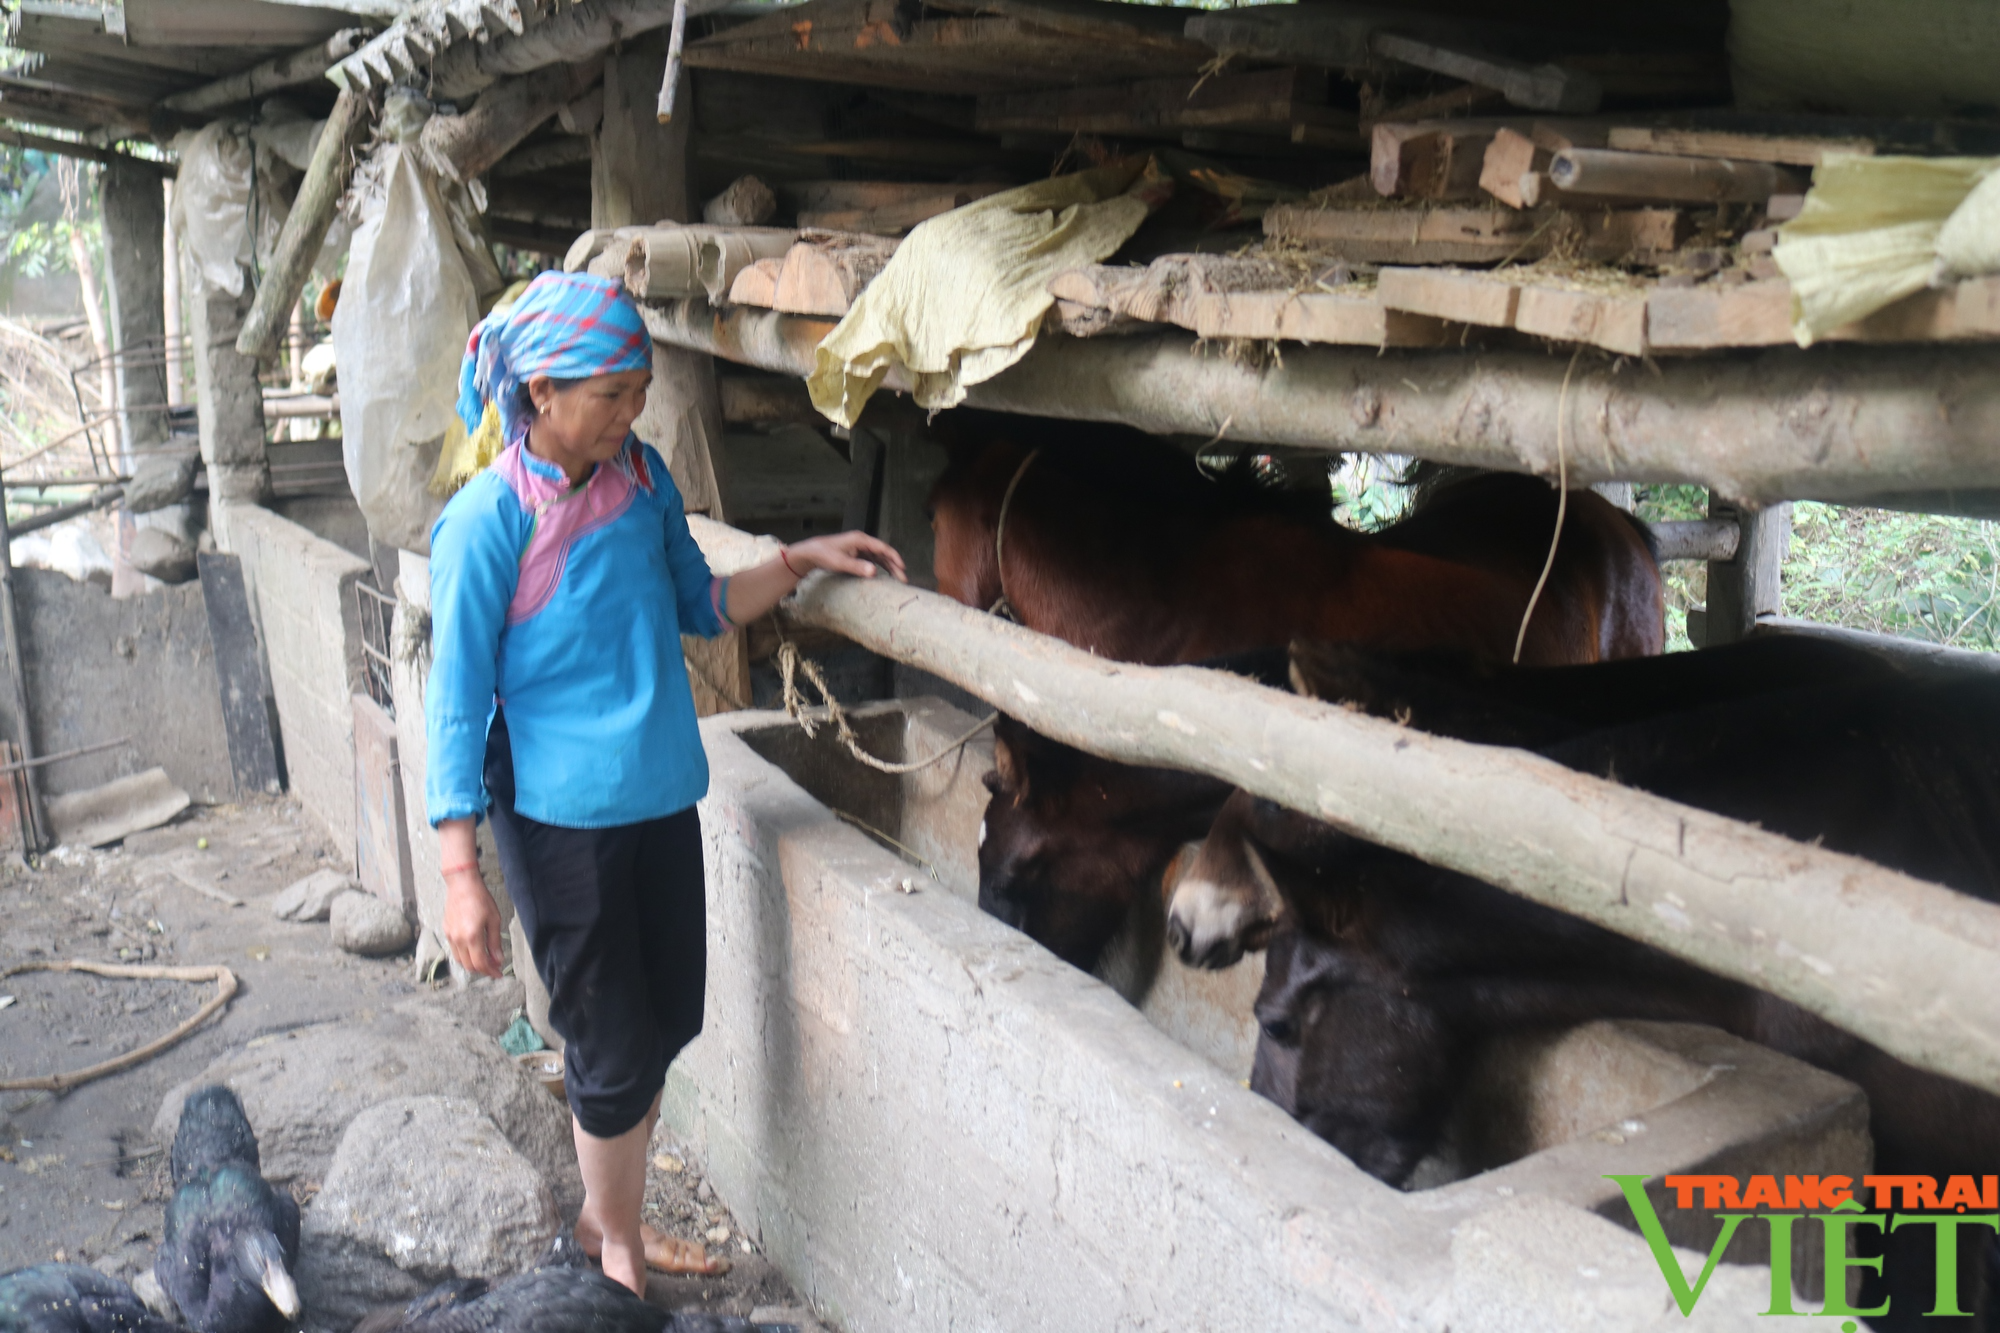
pixel 471 921
pixel 755 591
pixel 845 553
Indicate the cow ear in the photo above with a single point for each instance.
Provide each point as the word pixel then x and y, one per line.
pixel 1008 771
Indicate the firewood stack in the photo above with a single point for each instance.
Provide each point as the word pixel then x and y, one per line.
pixel 1344 174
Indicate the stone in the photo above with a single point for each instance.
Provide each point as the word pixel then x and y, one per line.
pixel 302 1088
pixel 164 477
pixel 421 1190
pixel 486 1003
pixel 160 553
pixel 311 898
pixel 364 924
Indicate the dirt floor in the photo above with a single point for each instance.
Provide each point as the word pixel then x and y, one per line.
pixel 80 1177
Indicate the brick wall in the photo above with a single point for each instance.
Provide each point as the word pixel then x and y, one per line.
pixel 303 590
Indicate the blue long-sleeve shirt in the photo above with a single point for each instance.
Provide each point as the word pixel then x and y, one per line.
pixel 565 607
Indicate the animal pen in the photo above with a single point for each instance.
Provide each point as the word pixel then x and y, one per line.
pixel 1536 238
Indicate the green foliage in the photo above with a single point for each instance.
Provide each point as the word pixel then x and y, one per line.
pixel 1919 576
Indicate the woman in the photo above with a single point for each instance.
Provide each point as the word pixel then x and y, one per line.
pixel 562 578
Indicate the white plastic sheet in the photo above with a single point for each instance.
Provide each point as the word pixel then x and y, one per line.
pixel 408 302
pixel 212 204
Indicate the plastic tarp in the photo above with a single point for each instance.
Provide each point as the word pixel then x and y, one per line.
pixel 1868 234
pixel 212 205
pixel 963 297
pixel 406 306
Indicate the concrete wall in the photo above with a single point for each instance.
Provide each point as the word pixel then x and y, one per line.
pixel 932 1124
pixel 99 668
pixel 303 588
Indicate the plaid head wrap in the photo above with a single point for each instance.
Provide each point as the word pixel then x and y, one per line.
pixel 567 326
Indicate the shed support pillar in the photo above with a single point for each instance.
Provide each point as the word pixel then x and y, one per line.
pixel 134 262
pixel 1742 589
pixel 229 404
pixel 639 174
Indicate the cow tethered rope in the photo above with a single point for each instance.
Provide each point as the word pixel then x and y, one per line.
pixel 225 988
pixel 791 666
pixel 1001 606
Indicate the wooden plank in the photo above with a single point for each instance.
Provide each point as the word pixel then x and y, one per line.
pixel 1349 319
pixel 1540 87
pixel 381 834
pixel 894 218
pixel 1435 160
pixel 1160 107
pixel 1751 314
pixel 1784 150
pixel 1508 158
pixel 1694 180
pixel 1613 321
pixel 1465 298
pixel 1477 235
pixel 249 713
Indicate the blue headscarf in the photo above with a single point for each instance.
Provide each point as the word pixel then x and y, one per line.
pixel 567 326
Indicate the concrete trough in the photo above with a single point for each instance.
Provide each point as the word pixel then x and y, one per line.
pixel 930 1123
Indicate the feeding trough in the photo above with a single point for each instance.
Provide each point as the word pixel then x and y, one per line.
pixel 930 1122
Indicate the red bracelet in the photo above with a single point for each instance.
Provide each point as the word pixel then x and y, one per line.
pixel 788 563
pixel 449 871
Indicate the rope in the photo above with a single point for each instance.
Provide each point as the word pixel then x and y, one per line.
pixel 706 682
pixel 791 666
pixel 1562 505
pixel 1002 607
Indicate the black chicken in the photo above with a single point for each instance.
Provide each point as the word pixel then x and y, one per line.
pixel 69 1298
pixel 561 1294
pixel 231 1239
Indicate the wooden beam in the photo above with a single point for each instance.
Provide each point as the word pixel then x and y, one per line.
pixel 1898 962
pixel 1787 150
pixel 285 71
pixel 1161 108
pixel 1834 423
pixel 465 146
pixel 305 227
pixel 1747 584
pixel 1476 235
pixel 42 143
pixel 1540 87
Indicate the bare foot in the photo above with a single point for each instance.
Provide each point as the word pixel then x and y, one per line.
pixel 664 1254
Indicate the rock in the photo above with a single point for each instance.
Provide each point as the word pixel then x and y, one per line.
pixel 364 924
pixel 160 553
pixel 486 1003
pixel 163 477
pixel 311 898
pixel 302 1088
pixel 748 202
pixel 421 1190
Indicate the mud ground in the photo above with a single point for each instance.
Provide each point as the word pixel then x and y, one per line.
pixel 80 1178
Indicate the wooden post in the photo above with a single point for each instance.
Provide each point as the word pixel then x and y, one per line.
pixel 170 287
pixel 639 175
pixel 305 228
pixel 35 827
pixel 1747 586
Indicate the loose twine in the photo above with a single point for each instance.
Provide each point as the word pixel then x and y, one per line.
pixel 1562 505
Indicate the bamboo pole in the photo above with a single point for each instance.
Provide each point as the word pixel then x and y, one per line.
pixel 285 71
pixel 305 229
pixel 1898 962
pixel 1827 423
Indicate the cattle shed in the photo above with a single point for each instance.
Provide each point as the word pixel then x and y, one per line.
pixel 1735 244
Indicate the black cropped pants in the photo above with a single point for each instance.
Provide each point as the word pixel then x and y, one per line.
pixel 617 922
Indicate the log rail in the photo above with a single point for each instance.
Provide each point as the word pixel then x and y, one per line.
pixel 1904 964
pixel 1846 424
